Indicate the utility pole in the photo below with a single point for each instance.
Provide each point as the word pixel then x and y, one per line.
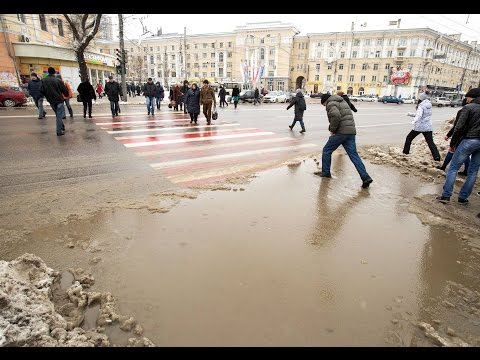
pixel 185 52
pixel 122 51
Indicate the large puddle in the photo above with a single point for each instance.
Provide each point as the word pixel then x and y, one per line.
pixel 293 259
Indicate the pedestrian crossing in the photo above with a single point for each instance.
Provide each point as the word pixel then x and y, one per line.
pixel 194 155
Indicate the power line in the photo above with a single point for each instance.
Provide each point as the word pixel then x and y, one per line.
pixel 478 32
pixel 448 27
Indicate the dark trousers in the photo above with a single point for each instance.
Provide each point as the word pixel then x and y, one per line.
pixel 114 107
pixel 222 101
pixel 207 111
pixel 428 138
pixel 87 103
pixel 193 117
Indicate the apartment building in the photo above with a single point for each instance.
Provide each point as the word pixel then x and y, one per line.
pixel 34 42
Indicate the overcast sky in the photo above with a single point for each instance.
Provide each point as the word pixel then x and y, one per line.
pixel 467 25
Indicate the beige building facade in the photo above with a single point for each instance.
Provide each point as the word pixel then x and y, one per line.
pixel 272 55
pixel 33 42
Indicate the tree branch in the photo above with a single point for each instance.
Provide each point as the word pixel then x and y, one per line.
pixel 72 27
pixel 93 32
pixel 84 21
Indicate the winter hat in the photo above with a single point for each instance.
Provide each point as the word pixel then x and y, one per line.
pixel 298 91
pixel 51 70
pixel 473 93
pixel 324 98
pixel 422 97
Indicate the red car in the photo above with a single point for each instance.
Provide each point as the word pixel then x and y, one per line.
pixel 10 96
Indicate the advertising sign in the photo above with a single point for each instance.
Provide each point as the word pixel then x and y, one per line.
pixel 399 76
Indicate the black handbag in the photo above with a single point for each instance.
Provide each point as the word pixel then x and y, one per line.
pixel 79 98
pixel 214 114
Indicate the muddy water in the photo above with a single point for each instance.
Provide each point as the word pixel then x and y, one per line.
pixel 293 259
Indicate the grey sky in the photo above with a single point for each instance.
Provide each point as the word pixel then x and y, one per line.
pixel 306 23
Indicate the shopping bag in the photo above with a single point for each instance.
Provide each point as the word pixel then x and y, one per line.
pixel 214 114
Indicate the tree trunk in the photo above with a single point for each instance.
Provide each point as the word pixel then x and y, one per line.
pixel 82 64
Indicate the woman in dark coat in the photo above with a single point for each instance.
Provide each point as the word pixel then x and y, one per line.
pixel 192 102
pixel 87 93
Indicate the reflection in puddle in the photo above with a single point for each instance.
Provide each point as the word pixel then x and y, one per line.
pixel 91 316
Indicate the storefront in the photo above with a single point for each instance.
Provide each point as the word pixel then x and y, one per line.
pixel 38 58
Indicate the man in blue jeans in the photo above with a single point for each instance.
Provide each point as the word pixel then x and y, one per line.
pixel 343 132
pixel 467 133
pixel 149 90
pixel 54 89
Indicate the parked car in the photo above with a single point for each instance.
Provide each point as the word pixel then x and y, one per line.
pixel 440 101
pixel 354 98
pixel 248 96
pixel 368 98
pixel 11 96
pixel 456 102
pixel 275 97
pixel 315 95
pixel 408 101
pixel 290 95
pixel 392 99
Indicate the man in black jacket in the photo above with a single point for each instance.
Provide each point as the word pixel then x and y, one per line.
pixel 149 90
pixel 35 91
pixel 345 97
pixel 465 142
pixel 113 91
pixel 54 89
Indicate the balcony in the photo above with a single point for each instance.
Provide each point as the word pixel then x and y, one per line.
pixel 399 58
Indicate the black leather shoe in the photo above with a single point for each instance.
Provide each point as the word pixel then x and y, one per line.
pixel 366 183
pixel 61 133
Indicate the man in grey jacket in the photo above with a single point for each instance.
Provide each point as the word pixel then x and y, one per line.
pixel 54 89
pixel 342 132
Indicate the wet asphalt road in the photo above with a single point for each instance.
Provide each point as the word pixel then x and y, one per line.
pixel 31 155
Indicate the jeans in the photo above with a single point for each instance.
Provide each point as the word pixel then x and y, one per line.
pixel 428 138
pixel 87 103
pixel 39 105
pixel 466 148
pixel 150 104
pixel 301 124
pixel 59 111
pixel 207 111
pixel 448 158
pixel 114 107
pixel 158 101
pixel 348 142
pixel 70 111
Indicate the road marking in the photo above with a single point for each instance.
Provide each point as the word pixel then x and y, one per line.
pixel 166 164
pixel 391 124
pixel 209 138
pixel 183 133
pixel 169 128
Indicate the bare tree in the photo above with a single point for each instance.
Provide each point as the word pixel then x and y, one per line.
pixel 84 28
pixel 135 69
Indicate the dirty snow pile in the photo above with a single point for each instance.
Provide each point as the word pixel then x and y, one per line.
pixel 29 296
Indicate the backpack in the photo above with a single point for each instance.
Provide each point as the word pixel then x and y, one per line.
pixel 302 106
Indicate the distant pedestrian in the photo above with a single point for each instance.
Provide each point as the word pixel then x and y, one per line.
pixel 137 89
pixel 113 91
pixel 300 106
pixel 256 97
pixel 67 98
pixel 422 124
pixel 468 130
pixel 159 94
pixel 192 102
pixel 54 91
pixel 221 94
pixel 235 95
pixel 184 90
pixel 99 90
pixel 345 97
pixel 342 132
pixel 177 96
pixel 149 90
pixel 207 99
pixel 35 91
pixel 86 92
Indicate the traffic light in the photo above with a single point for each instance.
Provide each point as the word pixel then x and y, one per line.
pixel 124 57
pixel 119 69
pixel 119 56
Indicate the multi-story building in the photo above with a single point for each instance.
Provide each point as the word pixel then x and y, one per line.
pixel 33 42
pixel 386 62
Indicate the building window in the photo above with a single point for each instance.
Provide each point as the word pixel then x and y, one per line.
pixel 212 65
pixel 152 72
pixel 173 57
pixel 319 44
pixel 212 74
pixel 365 54
pixel 412 52
pixel 229 44
pixel 172 66
pixel 60 27
pixel 351 78
pixel 329 77
pixel 144 49
pixel 195 56
pixel 262 54
pixel 145 58
pixel 204 74
pixel 379 41
pixel 402 42
pixel 213 45
pixel 354 54
pixel 374 78
pixel 340 77
pixel 204 55
pixel 329 67
pixel 43 22
pixel 389 53
pixel 317 77
pixel 375 66
pixel 385 78
pixel 362 78
pixel 229 64
pixel 220 57
pixel 204 65
pixel 204 45
pixel 272 51
pixel 356 42
pixel 390 41
pixel 387 66
pixel 367 42
pixel 317 67
pixel 188 65
pixel 330 54
pixel 229 54
pixel 281 86
pixel 229 75
pixel 272 63
pixel 343 43
pixel 151 59
pixel 377 54
pixel 332 43
pixel 340 67
pixel 342 54
pixel 212 55
pixel 173 47
pixel 415 41
pixel 271 73
pixel 21 17
pixel 352 66
pixel 400 53
pixel 196 46
pixel 364 66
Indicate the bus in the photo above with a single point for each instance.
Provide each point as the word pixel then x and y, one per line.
pixel 228 86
